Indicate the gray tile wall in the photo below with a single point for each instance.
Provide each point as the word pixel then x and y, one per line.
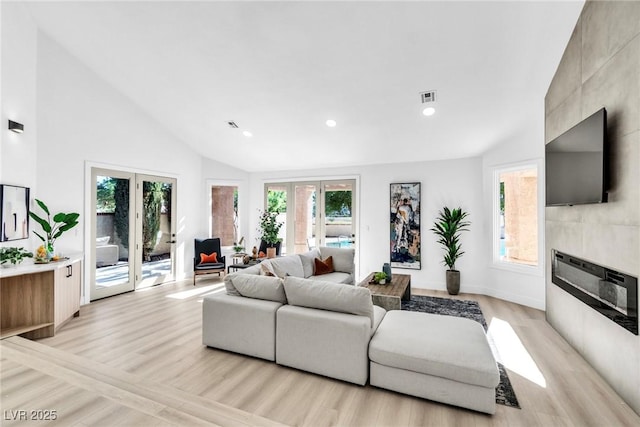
pixel 600 68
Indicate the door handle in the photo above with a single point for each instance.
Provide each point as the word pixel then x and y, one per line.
pixel 170 241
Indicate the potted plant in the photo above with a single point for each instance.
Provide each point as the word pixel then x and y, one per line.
pixel 269 229
pixel 11 257
pixel 380 277
pixel 238 247
pixel 448 225
pixel 53 229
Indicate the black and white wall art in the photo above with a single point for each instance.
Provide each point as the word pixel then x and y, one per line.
pixel 14 202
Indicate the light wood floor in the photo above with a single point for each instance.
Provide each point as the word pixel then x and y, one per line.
pixel 137 359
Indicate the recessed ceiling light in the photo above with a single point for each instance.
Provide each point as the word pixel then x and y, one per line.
pixel 247 133
pixel 331 123
pixel 429 111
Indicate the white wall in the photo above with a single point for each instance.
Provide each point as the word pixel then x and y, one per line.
pixel 527 288
pixel 83 120
pixel 18 164
pixel 450 183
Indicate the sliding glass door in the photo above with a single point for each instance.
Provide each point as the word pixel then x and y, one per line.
pixel 316 213
pixel 133 231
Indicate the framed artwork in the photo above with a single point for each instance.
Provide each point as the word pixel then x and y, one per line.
pixel 14 202
pixel 405 225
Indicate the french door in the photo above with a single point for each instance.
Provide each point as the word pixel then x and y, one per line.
pixel 317 213
pixel 132 231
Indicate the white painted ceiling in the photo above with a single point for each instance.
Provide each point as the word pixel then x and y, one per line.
pixel 281 69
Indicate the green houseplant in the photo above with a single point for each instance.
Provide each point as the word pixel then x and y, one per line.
pixel 269 230
pixel 380 277
pixel 53 228
pixel 13 256
pixel 448 225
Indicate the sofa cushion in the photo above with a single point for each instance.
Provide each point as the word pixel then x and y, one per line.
pixel 307 259
pixel 329 296
pixel 342 258
pixel 442 346
pixel 254 286
pixel 335 277
pixel 323 266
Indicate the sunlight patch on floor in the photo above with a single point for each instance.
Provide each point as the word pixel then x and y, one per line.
pixel 218 287
pixel 512 354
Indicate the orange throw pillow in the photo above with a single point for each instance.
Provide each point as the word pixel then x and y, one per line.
pixel 206 259
pixel 323 267
pixel 262 255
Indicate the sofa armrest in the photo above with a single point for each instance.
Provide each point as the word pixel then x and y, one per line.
pixel 239 324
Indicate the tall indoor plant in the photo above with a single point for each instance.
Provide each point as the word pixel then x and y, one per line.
pixel 448 225
pixel 269 230
pixel 53 227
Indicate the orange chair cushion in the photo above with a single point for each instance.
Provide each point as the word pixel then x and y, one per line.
pixel 211 258
pixel 323 266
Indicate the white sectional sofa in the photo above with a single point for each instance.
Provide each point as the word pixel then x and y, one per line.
pixel 333 329
pixel 316 326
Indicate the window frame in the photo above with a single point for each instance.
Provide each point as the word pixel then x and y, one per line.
pixel 498 263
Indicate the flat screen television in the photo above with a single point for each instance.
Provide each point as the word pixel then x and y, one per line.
pixel 576 164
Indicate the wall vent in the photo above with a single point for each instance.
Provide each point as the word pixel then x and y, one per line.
pixel 428 96
pixel 232 124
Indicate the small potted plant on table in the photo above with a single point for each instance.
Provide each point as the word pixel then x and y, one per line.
pixel 380 277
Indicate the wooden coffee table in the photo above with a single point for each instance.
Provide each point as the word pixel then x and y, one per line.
pixel 388 296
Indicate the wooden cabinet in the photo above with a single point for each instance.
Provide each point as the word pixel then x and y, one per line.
pixel 66 296
pixel 35 300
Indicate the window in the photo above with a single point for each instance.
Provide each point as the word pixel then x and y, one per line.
pixel 224 214
pixel 516 215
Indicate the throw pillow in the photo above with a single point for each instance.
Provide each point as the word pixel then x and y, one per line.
pixel 323 266
pixel 265 271
pixel 211 258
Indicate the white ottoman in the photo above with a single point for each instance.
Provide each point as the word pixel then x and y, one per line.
pixel 441 358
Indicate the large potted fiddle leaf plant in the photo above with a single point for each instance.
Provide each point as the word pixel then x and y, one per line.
pixel 448 225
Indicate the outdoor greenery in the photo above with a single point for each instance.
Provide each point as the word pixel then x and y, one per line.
pixel 53 229
pixel 121 210
pixel 277 201
pixel 152 194
pixel 338 203
pixel 270 227
pixel 13 256
pixel 447 227
pixel 105 188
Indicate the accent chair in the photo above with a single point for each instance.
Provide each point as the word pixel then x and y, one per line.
pixel 203 249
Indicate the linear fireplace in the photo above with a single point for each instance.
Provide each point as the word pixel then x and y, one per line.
pixel 612 294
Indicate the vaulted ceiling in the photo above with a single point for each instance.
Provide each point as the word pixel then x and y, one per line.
pixel 281 69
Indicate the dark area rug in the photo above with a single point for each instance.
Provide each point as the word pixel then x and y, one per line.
pixel 470 310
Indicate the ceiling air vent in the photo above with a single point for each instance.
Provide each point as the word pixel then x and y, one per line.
pixel 232 124
pixel 428 96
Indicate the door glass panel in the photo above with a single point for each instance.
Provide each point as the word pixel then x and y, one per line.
pixel 157 236
pixel 277 202
pixel 113 231
pixel 338 215
pixel 305 218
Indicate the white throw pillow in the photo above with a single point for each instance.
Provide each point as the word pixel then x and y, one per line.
pixel 307 261
pixel 342 258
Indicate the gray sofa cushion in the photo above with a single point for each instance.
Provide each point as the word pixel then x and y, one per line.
pixel 441 346
pixel 342 258
pixel 335 277
pixel 254 286
pixel 329 296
